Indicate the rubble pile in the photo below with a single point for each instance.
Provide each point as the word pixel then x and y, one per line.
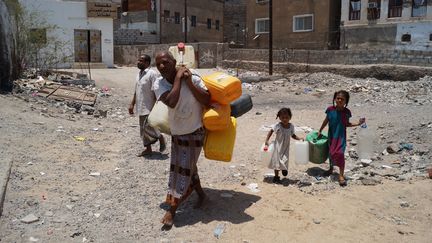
pixel 68 92
pixel 402 159
pixel 416 92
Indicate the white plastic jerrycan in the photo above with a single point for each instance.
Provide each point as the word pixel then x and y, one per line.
pixel 365 139
pixel 266 155
pixel 301 152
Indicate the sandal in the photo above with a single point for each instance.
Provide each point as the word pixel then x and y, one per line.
pixel 276 180
pixel 342 182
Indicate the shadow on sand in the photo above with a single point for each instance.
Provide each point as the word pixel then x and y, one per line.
pixel 217 208
pixel 156 156
pixel 315 171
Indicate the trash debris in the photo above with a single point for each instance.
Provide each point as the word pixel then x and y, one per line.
pixel 307 90
pixel 31 218
pixel 365 162
pixel 79 138
pixel 392 149
pixel 33 239
pixel 404 204
pixel 95 174
pixel 407 146
pixel 253 187
pixel 219 230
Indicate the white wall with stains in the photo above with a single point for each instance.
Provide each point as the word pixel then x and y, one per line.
pixel 420 36
pixel 70 15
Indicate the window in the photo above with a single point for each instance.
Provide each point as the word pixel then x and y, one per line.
pixel 374 9
pixel 193 21
pixel 262 25
pixel 303 23
pixel 406 38
pixel 38 36
pixel 419 8
pixel 176 17
pixel 217 24
pixel 395 8
pixel 354 10
pixel 166 14
pixel 430 37
pixel 208 23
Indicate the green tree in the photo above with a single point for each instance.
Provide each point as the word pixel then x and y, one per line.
pixel 36 45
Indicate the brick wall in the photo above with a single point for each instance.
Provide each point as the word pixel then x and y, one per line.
pixel 134 36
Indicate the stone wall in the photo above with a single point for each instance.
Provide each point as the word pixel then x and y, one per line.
pixel 205 53
pixel 381 64
pixel 349 57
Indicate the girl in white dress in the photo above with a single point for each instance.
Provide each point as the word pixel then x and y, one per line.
pixel 284 130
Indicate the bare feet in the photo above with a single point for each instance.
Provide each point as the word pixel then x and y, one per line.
pixel 168 219
pixel 202 200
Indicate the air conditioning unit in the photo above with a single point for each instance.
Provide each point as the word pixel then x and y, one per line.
pixel 372 5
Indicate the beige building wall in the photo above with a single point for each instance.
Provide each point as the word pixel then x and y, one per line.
pixel 172 31
pixel 324 34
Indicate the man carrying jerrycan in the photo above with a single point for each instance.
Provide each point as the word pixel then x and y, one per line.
pixel 185 95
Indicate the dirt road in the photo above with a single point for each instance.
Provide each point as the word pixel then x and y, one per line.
pixel 97 190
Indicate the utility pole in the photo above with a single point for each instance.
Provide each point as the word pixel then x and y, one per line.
pixel 185 21
pixel 270 37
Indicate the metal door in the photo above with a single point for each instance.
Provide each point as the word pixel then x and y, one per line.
pixel 95 46
pixel 81 46
pixel 88 46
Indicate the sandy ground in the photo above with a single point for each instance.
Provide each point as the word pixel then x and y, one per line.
pixel 51 179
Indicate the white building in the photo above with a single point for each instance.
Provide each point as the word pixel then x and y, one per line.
pixel 85 27
pixel 387 24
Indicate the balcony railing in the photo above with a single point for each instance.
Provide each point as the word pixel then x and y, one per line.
pixel 354 15
pixel 395 11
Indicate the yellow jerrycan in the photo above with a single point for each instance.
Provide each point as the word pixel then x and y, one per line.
pixel 217 117
pixel 219 145
pixel 223 88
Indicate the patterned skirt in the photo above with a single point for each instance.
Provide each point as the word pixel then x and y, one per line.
pixel 185 150
pixel 149 135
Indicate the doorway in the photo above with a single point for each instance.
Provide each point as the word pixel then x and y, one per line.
pixel 87 45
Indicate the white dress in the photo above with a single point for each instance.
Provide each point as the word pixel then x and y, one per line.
pixel 280 156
